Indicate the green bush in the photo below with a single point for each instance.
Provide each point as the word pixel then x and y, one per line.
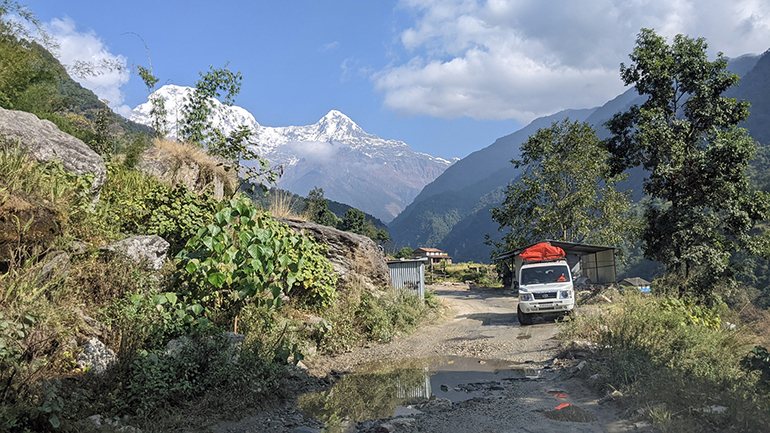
pixel 676 357
pixel 359 316
pixel 176 214
pixel 205 364
pixel 244 255
pixel 140 204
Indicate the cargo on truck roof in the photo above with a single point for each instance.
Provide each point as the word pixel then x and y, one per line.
pixel 596 262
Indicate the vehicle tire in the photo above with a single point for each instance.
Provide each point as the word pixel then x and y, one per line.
pixel 524 318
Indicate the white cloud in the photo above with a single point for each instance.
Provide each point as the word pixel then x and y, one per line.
pixel 352 67
pixel 316 151
pixel 519 59
pixel 330 46
pixel 77 47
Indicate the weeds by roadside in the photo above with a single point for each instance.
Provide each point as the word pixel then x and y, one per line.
pixel 677 364
pixel 360 317
pixel 45 317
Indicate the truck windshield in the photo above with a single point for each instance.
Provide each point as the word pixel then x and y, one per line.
pixel 545 274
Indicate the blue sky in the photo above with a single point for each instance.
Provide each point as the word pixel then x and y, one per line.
pixel 448 77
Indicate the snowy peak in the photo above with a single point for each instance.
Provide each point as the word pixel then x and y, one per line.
pixel 226 117
pixel 378 176
pixel 336 126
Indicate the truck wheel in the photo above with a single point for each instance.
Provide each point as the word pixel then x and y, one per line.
pixel 524 318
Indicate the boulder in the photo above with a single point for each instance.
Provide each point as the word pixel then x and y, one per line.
pixel 177 167
pixel 96 357
pixel 45 142
pixel 56 264
pixel 149 250
pixel 355 258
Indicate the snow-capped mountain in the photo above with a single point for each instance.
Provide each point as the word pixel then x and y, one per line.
pixel 378 176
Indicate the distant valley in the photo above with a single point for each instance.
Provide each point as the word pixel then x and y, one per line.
pixel 452 212
pixel 428 201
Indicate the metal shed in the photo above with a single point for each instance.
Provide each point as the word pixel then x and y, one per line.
pixel 595 262
pixel 409 275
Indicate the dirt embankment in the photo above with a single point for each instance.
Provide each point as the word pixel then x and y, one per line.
pixel 482 328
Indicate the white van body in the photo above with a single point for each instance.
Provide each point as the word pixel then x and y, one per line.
pixel 545 287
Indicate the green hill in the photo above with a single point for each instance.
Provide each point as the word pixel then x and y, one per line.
pixel 452 212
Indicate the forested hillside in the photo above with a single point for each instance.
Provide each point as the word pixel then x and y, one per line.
pixel 452 213
pixel 33 80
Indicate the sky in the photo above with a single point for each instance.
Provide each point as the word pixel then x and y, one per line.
pixel 447 77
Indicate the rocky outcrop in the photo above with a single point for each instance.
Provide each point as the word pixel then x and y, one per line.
pixel 356 258
pixel 45 142
pixel 149 250
pixel 177 167
pixel 96 357
pixel 55 265
pixel 23 225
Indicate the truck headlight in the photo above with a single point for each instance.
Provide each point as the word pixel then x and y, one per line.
pixel 565 294
pixel 526 297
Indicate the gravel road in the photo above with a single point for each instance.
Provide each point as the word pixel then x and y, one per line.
pixel 482 325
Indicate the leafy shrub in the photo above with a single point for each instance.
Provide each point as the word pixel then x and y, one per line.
pixel 140 204
pixel 759 360
pixel 176 214
pixel 359 316
pixel 245 254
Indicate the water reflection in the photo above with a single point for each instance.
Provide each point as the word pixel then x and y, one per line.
pixel 375 390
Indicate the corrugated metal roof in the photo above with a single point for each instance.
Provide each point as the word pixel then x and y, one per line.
pixel 568 247
pixel 634 281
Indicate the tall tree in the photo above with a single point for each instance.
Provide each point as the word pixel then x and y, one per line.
pixel 565 192
pixel 234 148
pixel 21 64
pixel 318 208
pixel 685 135
pixel 354 221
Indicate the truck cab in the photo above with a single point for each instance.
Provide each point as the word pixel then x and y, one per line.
pixel 545 283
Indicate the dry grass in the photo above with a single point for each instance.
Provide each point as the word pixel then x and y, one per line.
pixel 186 154
pixel 283 205
pixel 671 369
pixel 758 321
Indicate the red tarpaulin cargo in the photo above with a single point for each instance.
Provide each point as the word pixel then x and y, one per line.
pixel 542 251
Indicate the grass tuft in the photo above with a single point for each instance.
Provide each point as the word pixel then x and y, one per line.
pixel 283 205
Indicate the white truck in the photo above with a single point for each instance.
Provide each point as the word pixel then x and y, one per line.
pixel 544 282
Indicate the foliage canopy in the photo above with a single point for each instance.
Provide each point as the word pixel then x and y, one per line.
pixel 565 192
pixel 686 136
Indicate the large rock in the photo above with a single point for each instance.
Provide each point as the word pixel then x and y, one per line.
pixel 96 357
pixel 180 166
pixel 45 142
pixel 149 250
pixel 355 258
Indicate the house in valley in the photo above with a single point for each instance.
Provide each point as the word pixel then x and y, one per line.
pixel 435 256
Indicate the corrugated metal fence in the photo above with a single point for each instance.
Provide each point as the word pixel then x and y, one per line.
pixel 409 275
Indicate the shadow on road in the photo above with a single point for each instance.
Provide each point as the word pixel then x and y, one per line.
pixel 492 319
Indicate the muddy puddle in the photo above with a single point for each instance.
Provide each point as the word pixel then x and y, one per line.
pixel 378 389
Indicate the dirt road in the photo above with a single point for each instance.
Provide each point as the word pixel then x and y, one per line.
pixel 484 325
pixel 488 374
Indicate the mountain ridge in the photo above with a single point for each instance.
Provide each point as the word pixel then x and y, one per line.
pixel 378 176
pixel 452 212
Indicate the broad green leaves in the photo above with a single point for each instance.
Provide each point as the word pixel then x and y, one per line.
pixel 245 254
